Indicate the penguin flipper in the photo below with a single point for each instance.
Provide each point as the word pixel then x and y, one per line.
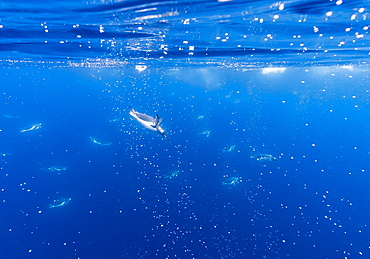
pixel 158 120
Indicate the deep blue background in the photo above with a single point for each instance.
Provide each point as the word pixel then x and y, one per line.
pixel 123 206
pixel 75 67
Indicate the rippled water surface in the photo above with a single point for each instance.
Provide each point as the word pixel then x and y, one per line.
pixel 183 33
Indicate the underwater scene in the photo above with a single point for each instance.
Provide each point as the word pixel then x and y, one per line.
pixel 184 129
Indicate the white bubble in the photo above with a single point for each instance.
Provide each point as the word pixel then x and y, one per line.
pixel 140 68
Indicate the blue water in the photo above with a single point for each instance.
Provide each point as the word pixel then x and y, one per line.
pixel 233 81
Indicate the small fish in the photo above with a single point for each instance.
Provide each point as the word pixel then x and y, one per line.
pixel 60 203
pixel 33 127
pixel 264 157
pixel 100 143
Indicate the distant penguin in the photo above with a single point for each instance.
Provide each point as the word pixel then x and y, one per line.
pixel 150 123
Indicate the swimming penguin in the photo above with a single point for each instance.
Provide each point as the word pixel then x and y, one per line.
pixel 148 122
